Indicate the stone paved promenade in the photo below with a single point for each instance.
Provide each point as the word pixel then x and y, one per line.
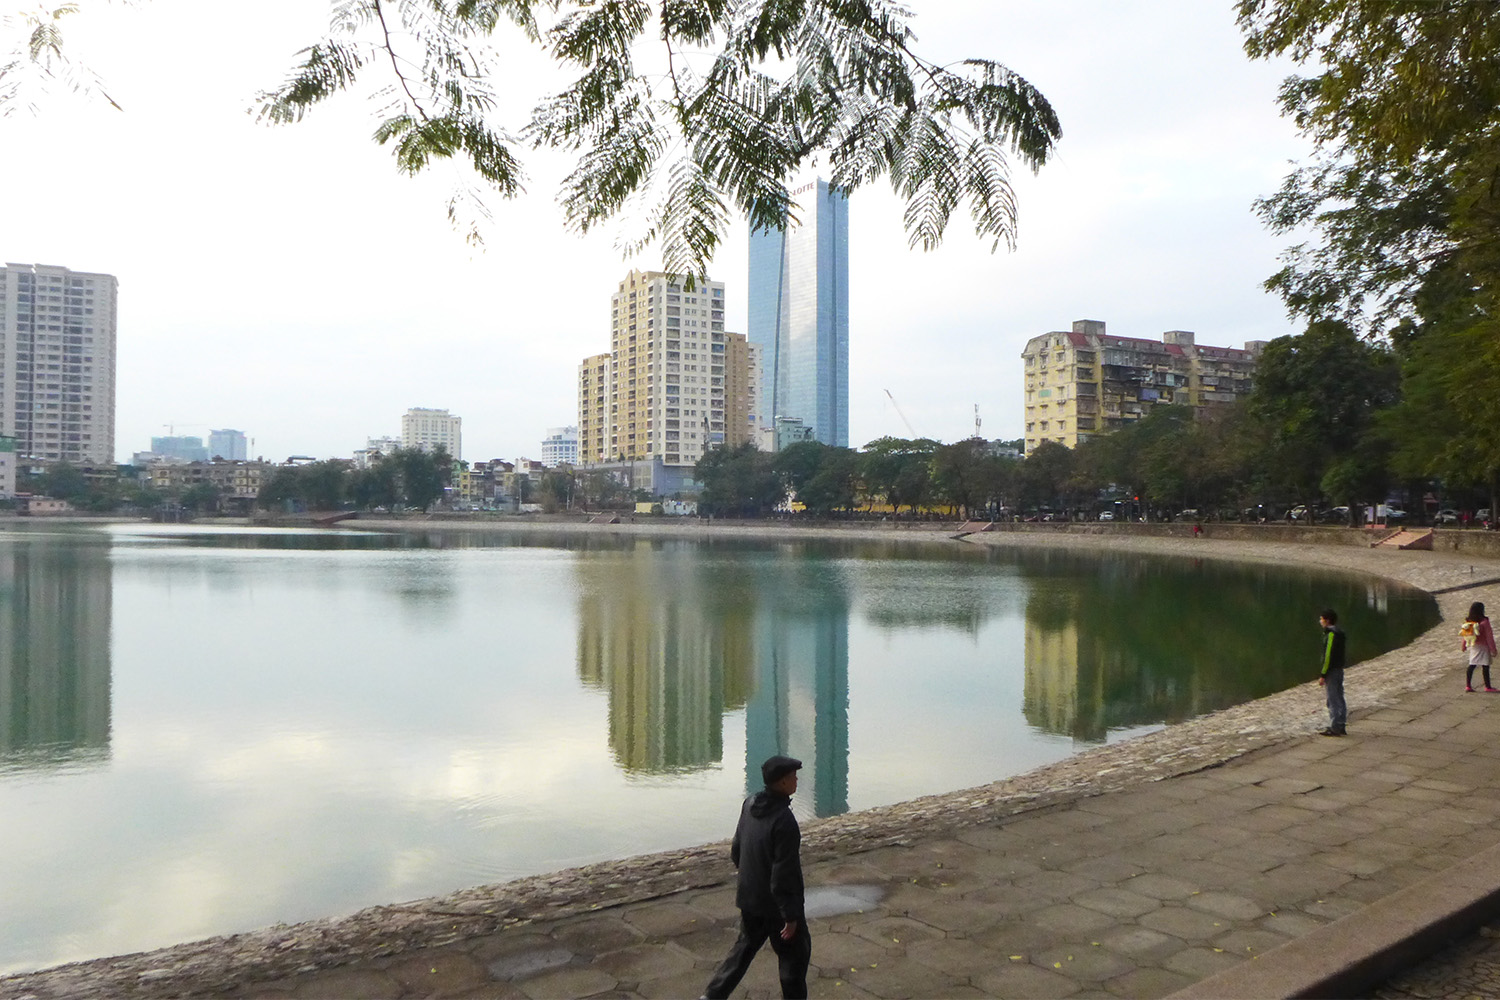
pixel 1133 870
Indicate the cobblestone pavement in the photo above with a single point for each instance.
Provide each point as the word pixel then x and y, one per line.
pixel 1130 871
pixel 1467 970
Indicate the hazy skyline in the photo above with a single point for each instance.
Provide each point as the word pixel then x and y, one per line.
pixel 290 283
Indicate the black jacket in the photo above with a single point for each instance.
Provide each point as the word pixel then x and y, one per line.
pixel 1333 649
pixel 766 850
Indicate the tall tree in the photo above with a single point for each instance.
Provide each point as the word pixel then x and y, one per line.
pixel 1319 394
pixel 899 469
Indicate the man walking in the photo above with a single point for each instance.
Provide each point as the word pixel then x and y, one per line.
pixel 767 851
pixel 1332 678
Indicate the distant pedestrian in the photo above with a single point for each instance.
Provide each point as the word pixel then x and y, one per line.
pixel 1332 676
pixel 1476 635
pixel 767 851
pixel 1197 530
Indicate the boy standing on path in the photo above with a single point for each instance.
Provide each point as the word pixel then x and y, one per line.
pixel 767 851
pixel 1332 678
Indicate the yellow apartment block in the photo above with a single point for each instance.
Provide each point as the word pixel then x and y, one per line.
pixel 673 385
pixel 1087 382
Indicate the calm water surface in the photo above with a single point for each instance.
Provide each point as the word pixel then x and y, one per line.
pixel 210 731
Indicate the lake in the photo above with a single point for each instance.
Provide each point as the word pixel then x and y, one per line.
pixel 210 730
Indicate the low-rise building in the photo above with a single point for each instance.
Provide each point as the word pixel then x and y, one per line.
pixel 1084 382
pixel 237 482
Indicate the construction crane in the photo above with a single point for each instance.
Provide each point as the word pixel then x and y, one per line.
pixel 897 405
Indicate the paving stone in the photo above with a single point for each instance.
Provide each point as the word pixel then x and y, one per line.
pixel 1070 920
pixel 958 916
pixel 1200 963
pixel 1009 900
pixel 1015 937
pixel 645 961
pixel 1104 870
pixel 1246 859
pixel 595 935
pixel 495 946
pixel 1140 943
pixel 894 932
pixel 663 919
pixel 711 943
pixel 1273 817
pixel 954 957
pixel 1117 902
pixel 569 982
pixel 1021 979
pixel 906 979
pixel 859 950
pixel 1086 962
pixel 1159 886
pixel 1246 943
pixel 1291 924
pixel 433 972
pixel 1057 885
pixel 1226 905
pixel 525 964
pixel 1350 861
pixel 1148 983
pixel 1179 921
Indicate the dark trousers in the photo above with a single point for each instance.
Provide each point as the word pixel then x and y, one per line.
pixel 794 956
pixel 1338 712
pixel 1483 666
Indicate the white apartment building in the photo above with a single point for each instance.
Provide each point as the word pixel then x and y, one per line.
pixel 375 449
pixel 57 363
pixel 560 447
pixel 428 430
pixel 7 467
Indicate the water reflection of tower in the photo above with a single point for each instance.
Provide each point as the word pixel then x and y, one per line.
pixel 672 650
pixel 55 610
pixel 1064 690
pixel 801 700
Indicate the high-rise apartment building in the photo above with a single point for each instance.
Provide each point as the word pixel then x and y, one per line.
pixel 7 466
pixel 428 430
pixel 661 395
pixel 560 447
pixel 799 313
pixel 57 363
pixel 179 448
pixel 230 444
pixel 1086 382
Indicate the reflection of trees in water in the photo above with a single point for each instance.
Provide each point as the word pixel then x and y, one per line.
pixel 55 606
pixel 1120 641
pixel 960 595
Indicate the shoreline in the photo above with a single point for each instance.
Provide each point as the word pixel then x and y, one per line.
pixel 216 964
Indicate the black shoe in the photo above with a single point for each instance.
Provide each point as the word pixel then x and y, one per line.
pixel 1330 731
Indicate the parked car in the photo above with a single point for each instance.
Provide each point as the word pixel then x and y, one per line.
pixel 1334 515
pixel 1106 515
pixel 1446 516
pixel 1191 514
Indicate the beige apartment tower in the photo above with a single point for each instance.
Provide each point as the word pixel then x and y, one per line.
pixel 57 363
pixel 1086 382
pixel 673 384
pixel 428 430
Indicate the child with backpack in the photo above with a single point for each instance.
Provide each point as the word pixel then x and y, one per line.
pixel 1476 636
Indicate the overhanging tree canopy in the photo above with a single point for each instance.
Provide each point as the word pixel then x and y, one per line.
pixel 735 97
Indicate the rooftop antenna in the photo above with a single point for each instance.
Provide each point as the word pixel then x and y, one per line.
pixel 976 422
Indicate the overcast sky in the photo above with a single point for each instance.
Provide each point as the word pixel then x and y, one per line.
pixel 290 283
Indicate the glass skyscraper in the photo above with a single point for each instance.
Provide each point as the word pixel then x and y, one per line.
pixel 799 314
